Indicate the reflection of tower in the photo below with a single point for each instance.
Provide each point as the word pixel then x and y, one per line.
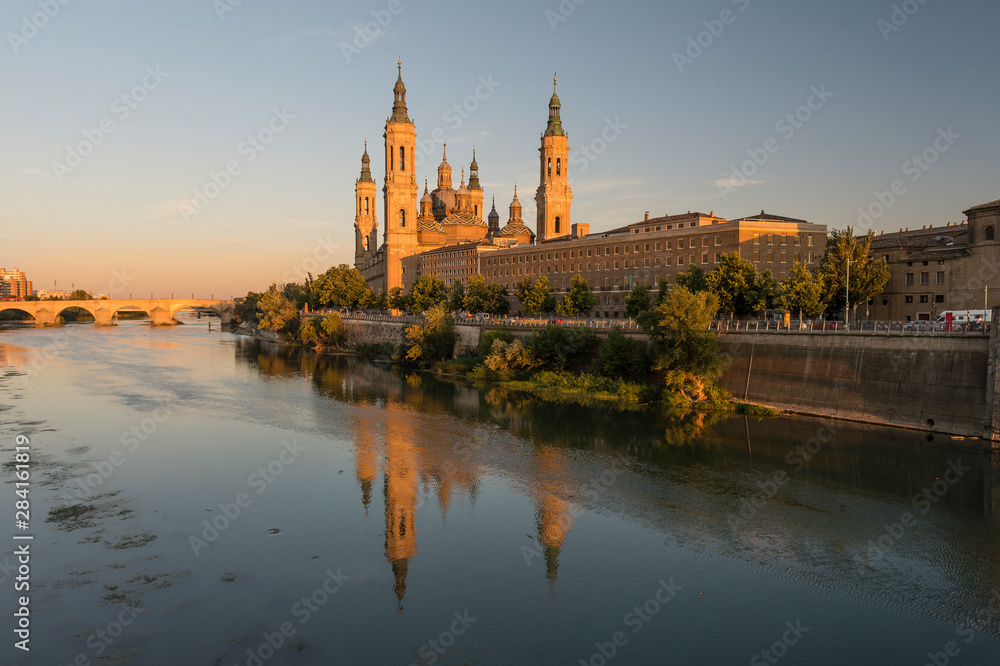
pixel 401 490
pixel 554 517
pixel 365 458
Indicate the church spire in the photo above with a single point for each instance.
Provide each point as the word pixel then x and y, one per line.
pixel 399 99
pixel 554 127
pixel 474 173
pixel 366 171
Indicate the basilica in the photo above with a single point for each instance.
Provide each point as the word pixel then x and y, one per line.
pixel 447 218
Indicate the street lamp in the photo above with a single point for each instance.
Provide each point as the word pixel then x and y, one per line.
pixel 847 296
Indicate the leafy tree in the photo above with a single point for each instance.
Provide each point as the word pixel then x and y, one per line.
pixel 246 312
pixel 80 295
pixel 475 295
pixel 508 358
pixel 341 287
pixel 535 297
pixel 456 296
pixel 579 301
pixel 488 338
pixel 426 292
pixel 431 341
pixel 741 290
pixel 31 297
pixel 298 294
pixel 695 279
pixel 662 287
pixel 557 347
pixel 637 300
pixel 868 275
pixel 689 353
pixel 322 332
pixel 620 356
pixel 497 300
pixel 278 313
pixel 803 292
pixel 398 300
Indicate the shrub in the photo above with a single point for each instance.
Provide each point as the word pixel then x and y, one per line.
pixel 557 347
pixel 620 356
pixel 486 341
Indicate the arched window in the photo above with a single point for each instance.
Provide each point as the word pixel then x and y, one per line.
pixel 366 205
pixel 557 225
pixel 989 233
pixel 550 167
pixel 475 210
pixel 367 243
pixel 402 158
pixel 558 166
pixel 392 160
pixel 402 217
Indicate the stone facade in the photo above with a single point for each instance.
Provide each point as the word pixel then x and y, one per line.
pixel 936 269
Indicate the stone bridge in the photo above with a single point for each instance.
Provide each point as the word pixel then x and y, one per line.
pixel 160 310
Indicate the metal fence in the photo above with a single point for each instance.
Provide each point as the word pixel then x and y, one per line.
pixel 859 327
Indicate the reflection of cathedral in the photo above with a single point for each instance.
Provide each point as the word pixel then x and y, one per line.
pixel 447 217
pixel 414 470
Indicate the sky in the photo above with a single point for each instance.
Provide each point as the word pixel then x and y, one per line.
pixel 210 147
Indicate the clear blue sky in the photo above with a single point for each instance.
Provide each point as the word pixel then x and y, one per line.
pixel 115 219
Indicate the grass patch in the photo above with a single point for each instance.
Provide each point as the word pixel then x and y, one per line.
pixel 753 409
pixel 584 389
pixel 73 516
pixel 134 541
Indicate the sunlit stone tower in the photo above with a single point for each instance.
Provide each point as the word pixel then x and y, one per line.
pixel 365 219
pixel 400 187
pixel 554 195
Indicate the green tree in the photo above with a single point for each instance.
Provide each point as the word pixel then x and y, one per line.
pixel 637 300
pixel 620 356
pixel 246 311
pixel 398 300
pixel 497 300
pixel 688 353
pixel 426 292
pixel 803 292
pixel 475 295
pixel 868 275
pixel 278 313
pixel 694 279
pixel 431 341
pixel 662 287
pixel 488 337
pixel 341 287
pixel 579 301
pixel 741 290
pixel 298 294
pixel 557 347
pixel 80 295
pixel 535 297
pixel 456 296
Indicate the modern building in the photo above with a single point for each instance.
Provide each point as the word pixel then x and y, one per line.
pixel 14 285
pixel 936 269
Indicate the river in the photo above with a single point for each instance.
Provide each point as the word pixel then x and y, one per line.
pixel 199 497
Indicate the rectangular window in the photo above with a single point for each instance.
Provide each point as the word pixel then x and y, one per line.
pixel 797 241
pixel 923 299
pixel 670 245
pixel 588 252
pixel 704 257
pixel 680 260
pixel 939 298
pixel 616 264
pixel 770 257
pixel 617 281
pixel 668 261
pixel 690 259
pixel 656 261
pixel 647 247
pixel 784 240
pixel 782 257
pixel 625 250
pixel 635 248
pixel 704 241
pixel 718 257
pixel 756 255
pixel 809 241
pixel 756 239
pixel 617 248
pixel 925 278
pixel 680 245
pixel 909 299
pixel 657 247
pixel 718 240
pixel 909 279
pixel 645 262
pixel 809 257
pixel 795 257
pixel 770 239
pixel 940 277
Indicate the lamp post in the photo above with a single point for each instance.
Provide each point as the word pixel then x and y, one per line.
pixel 847 296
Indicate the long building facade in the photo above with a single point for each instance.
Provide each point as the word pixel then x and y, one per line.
pixel 444 233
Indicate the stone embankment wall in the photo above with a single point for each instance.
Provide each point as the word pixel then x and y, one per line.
pixel 936 383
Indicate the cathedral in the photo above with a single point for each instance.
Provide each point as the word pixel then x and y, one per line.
pixel 446 217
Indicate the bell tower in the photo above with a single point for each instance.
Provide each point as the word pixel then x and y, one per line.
pixel 554 195
pixel 400 187
pixel 365 220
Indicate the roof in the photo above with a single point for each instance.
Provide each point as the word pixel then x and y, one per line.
pixel 515 230
pixel 769 216
pixel 429 225
pixel 463 218
pixel 985 206
pixel 938 254
pixel 458 247
pixel 921 238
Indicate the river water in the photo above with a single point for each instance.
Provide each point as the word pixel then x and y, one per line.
pixel 203 498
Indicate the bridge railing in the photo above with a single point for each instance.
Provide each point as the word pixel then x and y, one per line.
pixel 861 327
pixel 476 320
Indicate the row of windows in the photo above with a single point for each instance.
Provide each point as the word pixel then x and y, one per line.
pixel 564 284
pixel 925 278
pixel 782 257
pixel 617 249
pixel 783 240
pixel 939 298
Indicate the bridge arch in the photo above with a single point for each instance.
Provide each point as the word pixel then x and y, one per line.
pixel 16 306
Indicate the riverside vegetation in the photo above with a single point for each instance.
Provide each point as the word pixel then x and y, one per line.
pixel 675 369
